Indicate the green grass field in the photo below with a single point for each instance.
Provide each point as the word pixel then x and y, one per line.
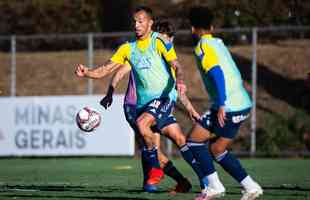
pixel 120 179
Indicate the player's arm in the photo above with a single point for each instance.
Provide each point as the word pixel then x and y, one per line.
pixel 212 68
pixel 117 60
pixel 97 72
pixel 119 75
pixel 194 115
pixel 181 87
pixel 168 52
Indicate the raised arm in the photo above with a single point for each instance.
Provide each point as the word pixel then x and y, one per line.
pixel 97 72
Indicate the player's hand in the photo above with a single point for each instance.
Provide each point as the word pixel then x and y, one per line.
pixel 181 87
pixel 106 101
pixel 194 115
pixel 221 116
pixel 81 70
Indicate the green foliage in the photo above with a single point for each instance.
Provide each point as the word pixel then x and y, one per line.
pixel 70 16
pixel 280 134
pixel 35 16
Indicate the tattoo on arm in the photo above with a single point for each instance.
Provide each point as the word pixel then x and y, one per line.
pixel 103 70
pixel 179 70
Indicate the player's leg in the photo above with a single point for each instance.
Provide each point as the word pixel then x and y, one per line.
pixel 165 122
pixel 174 132
pixel 227 160
pixel 163 160
pixel 131 115
pixel 183 185
pixel 233 166
pixel 144 123
pixel 197 143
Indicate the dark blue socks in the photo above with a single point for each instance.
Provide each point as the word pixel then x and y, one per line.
pixel 151 157
pixel 203 156
pixel 232 165
pixel 189 158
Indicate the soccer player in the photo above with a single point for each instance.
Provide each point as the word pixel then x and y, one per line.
pixel 230 107
pixel 154 89
pixel 183 185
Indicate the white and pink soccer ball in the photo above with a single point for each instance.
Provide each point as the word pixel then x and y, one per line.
pixel 88 119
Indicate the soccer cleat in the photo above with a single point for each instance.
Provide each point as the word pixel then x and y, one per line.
pixel 149 188
pixel 209 194
pixel 252 194
pixel 182 187
pixel 155 176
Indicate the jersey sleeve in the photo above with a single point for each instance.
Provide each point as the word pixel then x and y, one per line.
pixel 166 49
pixel 121 56
pixel 209 57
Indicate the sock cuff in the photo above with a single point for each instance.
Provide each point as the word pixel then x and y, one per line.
pixel 145 149
pixel 221 156
pixel 193 144
pixel 184 148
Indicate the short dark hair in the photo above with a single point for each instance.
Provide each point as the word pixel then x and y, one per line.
pixel 146 9
pixel 201 17
pixel 163 25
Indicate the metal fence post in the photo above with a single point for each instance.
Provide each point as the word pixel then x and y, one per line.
pixel 254 90
pixel 13 66
pixel 90 57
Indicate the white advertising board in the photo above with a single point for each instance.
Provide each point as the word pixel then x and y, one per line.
pixel 45 126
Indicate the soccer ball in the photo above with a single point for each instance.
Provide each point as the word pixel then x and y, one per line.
pixel 87 119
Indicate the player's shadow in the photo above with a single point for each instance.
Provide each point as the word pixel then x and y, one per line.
pixel 40 196
pixel 31 191
pixel 268 191
pixel 292 91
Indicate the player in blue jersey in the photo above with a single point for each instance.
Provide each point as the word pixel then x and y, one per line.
pixel 154 90
pixel 183 185
pixel 230 107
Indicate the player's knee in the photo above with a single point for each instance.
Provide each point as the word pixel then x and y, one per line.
pixel 180 140
pixel 142 125
pixel 217 149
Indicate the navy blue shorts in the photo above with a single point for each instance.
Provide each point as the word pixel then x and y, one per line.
pixel 232 123
pixel 131 116
pixel 161 109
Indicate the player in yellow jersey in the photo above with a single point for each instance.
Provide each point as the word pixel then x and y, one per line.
pixel 167 31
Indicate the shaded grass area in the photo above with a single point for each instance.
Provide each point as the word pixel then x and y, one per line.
pixel 121 178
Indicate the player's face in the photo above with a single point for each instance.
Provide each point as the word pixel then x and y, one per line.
pixel 143 24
